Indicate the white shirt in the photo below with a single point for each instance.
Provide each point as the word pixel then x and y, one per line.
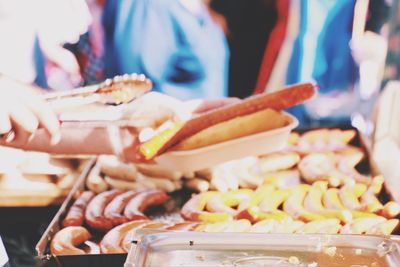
pixel 3 254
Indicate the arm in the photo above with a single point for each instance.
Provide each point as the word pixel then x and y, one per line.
pixel 37 127
pixel 77 140
pixel 28 122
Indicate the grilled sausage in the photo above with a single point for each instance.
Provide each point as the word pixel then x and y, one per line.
pixel 94 212
pixel 76 213
pixel 134 209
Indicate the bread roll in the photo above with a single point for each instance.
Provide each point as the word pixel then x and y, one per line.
pixel 257 122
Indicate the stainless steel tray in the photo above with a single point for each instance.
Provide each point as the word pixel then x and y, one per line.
pixel 191 249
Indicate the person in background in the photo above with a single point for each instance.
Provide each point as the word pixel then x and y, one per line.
pixel 249 25
pixel 175 43
pixel 318 45
pixel 33 35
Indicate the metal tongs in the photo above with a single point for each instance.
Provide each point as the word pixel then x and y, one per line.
pixel 115 91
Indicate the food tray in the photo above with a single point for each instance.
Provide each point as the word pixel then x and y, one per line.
pixel 282 250
pixel 42 248
pixel 253 145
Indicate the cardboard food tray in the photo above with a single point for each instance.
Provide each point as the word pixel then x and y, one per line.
pixel 45 259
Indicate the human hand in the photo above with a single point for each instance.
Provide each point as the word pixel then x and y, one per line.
pixel 370 46
pixel 22 112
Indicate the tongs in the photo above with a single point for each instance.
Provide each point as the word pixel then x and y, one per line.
pixel 118 90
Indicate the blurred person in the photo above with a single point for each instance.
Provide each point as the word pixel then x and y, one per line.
pixel 318 45
pixel 249 26
pixel 175 43
pixel 33 34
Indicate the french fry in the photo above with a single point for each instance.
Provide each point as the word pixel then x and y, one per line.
pixel 361 225
pixel 263 191
pixel 384 228
pixel 362 214
pixel 223 203
pixel 370 202
pixel 331 199
pixel 274 200
pixel 193 210
pixel 313 203
pixel 390 210
pixel 254 214
pixel 294 205
pixel 377 184
pixel 293 138
pixel 349 198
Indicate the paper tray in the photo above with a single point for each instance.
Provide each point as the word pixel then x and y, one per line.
pixel 253 145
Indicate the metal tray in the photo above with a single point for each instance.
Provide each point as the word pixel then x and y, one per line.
pixel 45 259
pixel 170 249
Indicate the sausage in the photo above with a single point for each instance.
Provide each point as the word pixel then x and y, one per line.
pixel 111 242
pixel 134 209
pixel 65 241
pixel 94 212
pixel 115 208
pixel 279 100
pixel 76 213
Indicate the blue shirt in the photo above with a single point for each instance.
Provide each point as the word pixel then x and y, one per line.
pixel 321 51
pixel 185 55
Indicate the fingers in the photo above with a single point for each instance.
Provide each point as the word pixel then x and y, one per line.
pixel 5 124
pixel 24 122
pixel 23 112
pixel 47 119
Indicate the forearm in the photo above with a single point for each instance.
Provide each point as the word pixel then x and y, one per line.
pixel 84 141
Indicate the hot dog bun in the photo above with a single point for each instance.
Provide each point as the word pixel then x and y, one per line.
pixel 253 123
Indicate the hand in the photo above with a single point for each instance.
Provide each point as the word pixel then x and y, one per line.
pixel 22 112
pixel 370 46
